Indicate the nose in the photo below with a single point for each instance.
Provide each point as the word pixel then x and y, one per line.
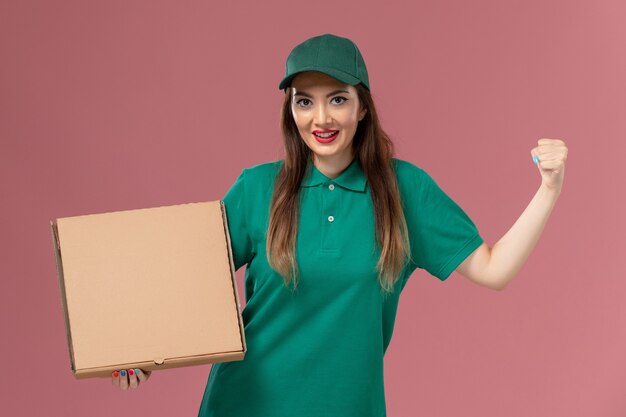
pixel 323 116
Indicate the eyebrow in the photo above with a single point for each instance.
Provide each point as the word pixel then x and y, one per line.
pixel 302 93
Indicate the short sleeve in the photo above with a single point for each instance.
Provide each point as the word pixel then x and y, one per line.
pixel 442 234
pixel 236 214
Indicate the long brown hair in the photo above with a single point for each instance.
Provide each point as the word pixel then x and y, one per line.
pixel 373 149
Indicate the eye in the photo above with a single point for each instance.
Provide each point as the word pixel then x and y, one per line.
pixel 301 101
pixel 341 98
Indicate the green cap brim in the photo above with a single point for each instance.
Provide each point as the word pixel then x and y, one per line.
pixel 339 75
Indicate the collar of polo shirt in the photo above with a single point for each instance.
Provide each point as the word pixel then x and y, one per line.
pixel 352 178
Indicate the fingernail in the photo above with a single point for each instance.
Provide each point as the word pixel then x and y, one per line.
pixel 536 159
pixel 131 372
pixel 116 374
pixel 137 371
pixel 123 373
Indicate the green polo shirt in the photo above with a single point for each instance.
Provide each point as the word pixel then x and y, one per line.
pixel 318 351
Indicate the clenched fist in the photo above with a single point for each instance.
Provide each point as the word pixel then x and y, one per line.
pixel 550 156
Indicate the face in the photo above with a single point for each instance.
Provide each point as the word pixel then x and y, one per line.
pixel 321 106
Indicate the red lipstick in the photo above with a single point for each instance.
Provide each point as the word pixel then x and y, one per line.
pixel 326 139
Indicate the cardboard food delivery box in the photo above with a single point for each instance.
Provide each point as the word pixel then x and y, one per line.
pixel 150 288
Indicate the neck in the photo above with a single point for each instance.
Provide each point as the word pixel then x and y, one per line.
pixel 333 165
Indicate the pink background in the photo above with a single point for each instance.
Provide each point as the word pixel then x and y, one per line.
pixel 112 105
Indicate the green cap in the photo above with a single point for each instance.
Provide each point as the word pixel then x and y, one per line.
pixel 333 55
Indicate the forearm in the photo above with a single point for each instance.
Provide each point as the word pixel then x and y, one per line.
pixel 511 251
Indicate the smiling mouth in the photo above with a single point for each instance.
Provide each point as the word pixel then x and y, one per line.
pixel 327 136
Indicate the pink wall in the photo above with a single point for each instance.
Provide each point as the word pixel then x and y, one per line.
pixel 116 105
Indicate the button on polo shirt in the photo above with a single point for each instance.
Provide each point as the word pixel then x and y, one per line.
pixel 339 204
pixel 318 351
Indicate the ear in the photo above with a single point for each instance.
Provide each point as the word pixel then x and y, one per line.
pixel 362 113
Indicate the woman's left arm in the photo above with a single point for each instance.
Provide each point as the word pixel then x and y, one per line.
pixel 495 267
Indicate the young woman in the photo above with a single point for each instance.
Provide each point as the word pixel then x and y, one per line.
pixel 330 236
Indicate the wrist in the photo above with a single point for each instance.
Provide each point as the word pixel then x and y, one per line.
pixel 552 191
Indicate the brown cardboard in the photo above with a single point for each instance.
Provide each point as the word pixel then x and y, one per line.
pixel 150 288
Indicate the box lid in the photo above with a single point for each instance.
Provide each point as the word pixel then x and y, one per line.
pixel 148 285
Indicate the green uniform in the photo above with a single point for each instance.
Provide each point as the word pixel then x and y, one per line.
pixel 318 351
